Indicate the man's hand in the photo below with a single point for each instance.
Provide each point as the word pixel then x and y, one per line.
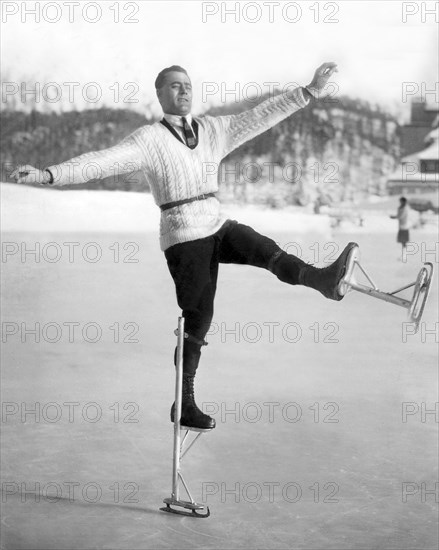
pixel 25 173
pixel 321 77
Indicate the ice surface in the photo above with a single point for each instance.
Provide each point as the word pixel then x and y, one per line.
pixel 347 367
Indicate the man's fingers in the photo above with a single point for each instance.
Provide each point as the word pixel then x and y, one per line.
pixel 19 170
pixel 21 177
pixel 20 173
pixel 15 173
pixel 327 68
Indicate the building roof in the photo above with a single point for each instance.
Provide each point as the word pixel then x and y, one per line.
pixel 432 136
pixel 430 106
pixel 432 181
pixel 430 153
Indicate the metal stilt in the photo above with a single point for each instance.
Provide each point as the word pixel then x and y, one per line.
pixel 196 510
pixel 415 305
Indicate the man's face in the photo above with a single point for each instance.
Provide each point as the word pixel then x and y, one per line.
pixel 175 95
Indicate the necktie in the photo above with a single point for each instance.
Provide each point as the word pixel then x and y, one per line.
pixel 191 140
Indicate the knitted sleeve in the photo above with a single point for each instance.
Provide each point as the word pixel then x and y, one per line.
pixel 125 157
pixel 237 129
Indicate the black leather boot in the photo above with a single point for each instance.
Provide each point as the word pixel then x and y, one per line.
pixel 191 415
pixel 327 279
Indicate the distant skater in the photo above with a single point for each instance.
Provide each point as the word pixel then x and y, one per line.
pixel 194 234
pixel 402 215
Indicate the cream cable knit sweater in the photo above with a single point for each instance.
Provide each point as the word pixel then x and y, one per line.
pixel 176 172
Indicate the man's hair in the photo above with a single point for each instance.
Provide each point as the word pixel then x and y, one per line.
pixel 403 200
pixel 159 81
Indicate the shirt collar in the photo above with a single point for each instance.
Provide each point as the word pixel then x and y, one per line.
pixel 175 120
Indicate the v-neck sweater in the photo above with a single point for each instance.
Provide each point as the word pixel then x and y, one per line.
pixel 175 172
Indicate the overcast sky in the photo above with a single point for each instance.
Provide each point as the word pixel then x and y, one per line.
pixel 378 46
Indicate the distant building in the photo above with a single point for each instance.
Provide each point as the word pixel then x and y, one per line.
pixel 418 171
pixel 423 118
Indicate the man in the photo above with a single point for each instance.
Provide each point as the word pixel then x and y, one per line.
pixel 403 215
pixel 194 235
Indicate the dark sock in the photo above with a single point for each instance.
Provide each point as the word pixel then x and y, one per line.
pixel 287 268
pixel 191 357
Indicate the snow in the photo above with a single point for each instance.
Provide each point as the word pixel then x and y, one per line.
pixel 30 209
pixel 35 209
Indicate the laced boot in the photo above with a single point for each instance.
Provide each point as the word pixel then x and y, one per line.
pixel 326 280
pixel 191 415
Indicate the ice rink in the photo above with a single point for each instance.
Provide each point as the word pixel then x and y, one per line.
pixel 326 432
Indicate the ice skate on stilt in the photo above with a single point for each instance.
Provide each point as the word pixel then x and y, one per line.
pixel 415 306
pixel 174 504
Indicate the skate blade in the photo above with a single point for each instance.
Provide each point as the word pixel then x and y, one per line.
pixel 185 508
pixel 420 294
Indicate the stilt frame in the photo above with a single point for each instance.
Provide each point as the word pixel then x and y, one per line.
pixel 174 504
pixel 415 305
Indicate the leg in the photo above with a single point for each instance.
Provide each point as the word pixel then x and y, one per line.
pixel 194 268
pixel 242 245
pixel 403 238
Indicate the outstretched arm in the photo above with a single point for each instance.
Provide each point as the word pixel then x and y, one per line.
pixel 238 129
pixel 125 157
